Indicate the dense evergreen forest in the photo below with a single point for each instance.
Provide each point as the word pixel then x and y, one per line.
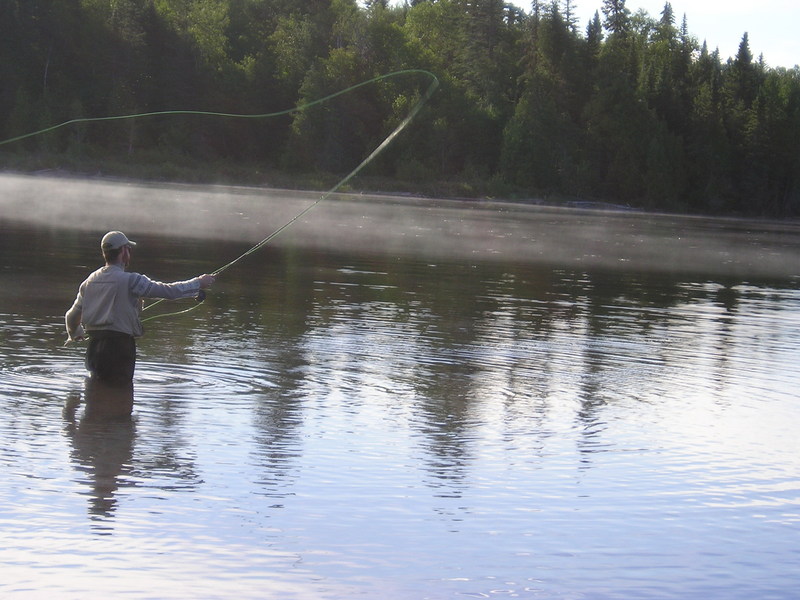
pixel 629 109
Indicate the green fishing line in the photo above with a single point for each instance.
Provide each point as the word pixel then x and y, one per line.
pixel 434 84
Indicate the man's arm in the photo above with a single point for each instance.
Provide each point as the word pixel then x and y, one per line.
pixel 144 287
pixel 72 319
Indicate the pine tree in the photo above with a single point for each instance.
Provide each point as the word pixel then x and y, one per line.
pixel 617 17
pixel 594 35
pixel 743 75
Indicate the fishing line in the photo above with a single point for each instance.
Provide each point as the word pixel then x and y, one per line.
pixel 380 148
pixel 431 89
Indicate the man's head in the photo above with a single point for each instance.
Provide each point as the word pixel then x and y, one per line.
pixel 113 244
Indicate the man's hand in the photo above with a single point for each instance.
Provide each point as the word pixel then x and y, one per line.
pixel 206 281
pixel 77 336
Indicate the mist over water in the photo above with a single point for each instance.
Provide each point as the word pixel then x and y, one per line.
pixel 410 226
pixel 402 398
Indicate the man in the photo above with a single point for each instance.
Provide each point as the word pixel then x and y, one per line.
pixel 108 308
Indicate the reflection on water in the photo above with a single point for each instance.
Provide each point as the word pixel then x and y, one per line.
pixel 102 440
pixel 438 417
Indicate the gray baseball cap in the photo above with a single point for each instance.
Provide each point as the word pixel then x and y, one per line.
pixel 115 239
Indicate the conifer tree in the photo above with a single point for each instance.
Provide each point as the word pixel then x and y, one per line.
pixel 594 35
pixel 617 17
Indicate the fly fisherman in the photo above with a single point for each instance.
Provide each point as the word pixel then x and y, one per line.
pixel 108 306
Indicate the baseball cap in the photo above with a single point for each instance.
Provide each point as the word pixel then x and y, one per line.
pixel 115 239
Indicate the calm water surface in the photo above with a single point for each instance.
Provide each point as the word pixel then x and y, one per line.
pixel 403 399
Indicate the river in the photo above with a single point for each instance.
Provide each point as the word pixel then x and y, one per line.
pixel 403 398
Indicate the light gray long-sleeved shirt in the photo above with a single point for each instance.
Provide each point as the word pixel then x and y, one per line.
pixel 110 299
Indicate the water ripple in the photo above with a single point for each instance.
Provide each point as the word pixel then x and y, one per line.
pixel 341 425
pixel 153 378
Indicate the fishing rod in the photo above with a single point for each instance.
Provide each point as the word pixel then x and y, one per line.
pixel 434 84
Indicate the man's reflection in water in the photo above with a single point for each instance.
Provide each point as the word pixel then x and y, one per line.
pixel 102 441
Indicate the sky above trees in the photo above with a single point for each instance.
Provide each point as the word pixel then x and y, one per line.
pixel 771 24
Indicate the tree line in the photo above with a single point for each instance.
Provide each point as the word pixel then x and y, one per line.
pixel 631 109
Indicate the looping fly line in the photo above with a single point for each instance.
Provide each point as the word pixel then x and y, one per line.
pixel 380 148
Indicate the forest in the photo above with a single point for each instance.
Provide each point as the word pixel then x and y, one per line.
pixel 629 109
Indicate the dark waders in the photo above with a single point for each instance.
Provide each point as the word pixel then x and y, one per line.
pixel 111 357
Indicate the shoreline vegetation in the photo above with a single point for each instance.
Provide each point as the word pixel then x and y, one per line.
pixel 628 111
